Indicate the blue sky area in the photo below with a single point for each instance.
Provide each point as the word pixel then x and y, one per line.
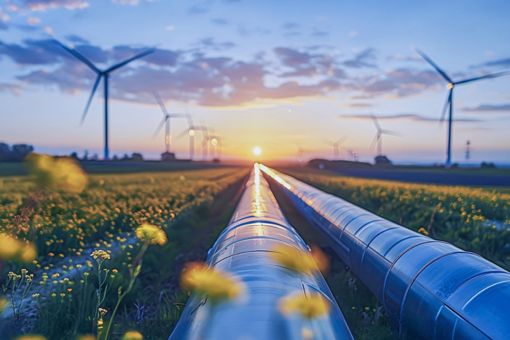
pixel 283 75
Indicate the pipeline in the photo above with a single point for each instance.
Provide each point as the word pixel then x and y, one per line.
pixel 242 249
pixel 429 288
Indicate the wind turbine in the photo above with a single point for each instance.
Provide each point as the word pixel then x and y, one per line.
pixel 378 136
pixel 105 75
pixel 336 147
pixel 191 131
pixel 166 121
pixel 449 99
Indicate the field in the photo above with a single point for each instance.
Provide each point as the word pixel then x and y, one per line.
pixel 474 219
pixel 89 260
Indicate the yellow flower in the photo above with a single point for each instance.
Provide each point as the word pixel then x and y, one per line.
pixel 151 234
pixel 3 304
pixel 86 337
pixel 423 231
pixel 57 173
pixel 132 335
pixel 213 284
pixel 309 306
pixel 100 255
pixel 31 337
pixel 13 249
pixel 298 260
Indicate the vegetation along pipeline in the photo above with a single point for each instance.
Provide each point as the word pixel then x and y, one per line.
pixel 429 288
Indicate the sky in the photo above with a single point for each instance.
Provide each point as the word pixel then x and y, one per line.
pixel 290 77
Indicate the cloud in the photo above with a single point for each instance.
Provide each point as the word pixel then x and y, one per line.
pixel 214 45
pixel 12 88
pixel 365 58
pixel 504 62
pixel 44 5
pixel 220 22
pixel 198 9
pixel 302 63
pixel 126 2
pixel 495 108
pixel 404 116
pixel 399 82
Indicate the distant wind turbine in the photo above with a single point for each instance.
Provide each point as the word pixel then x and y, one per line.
pixel 191 131
pixel 102 74
pixel 336 147
pixel 166 121
pixel 378 136
pixel 449 99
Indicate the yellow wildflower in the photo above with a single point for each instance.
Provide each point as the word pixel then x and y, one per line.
pixel 132 335
pixel 3 304
pixel 31 337
pixel 13 249
pixel 211 283
pixel 86 337
pixel 309 306
pixel 57 173
pixel 100 255
pixel 298 260
pixel 151 234
pixel 423 231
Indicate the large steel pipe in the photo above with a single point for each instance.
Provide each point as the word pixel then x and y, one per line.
pixel 429 288
pixel 243 249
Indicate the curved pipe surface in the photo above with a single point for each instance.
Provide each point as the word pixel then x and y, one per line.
pixel 243 249
pixel 429 288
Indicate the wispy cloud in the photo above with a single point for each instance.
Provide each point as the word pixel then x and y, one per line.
pixel 44 5
pixel 493 108
pixel 403 116
pixel 365 58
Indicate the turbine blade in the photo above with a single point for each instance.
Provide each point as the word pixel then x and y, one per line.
pixel 127 61
pixel 160 126
pixel 445 107
pixel 78 56
pixel 372 144
pixel 487 76
pixel 389 132
pixel 161 104
pixel 182 134
pixel 434 65
pixel 376 123
pixel 94 88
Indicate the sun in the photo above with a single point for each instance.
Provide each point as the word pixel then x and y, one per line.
pixel 257 151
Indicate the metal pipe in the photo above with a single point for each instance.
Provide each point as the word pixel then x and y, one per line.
pixel 429 289
pixel 242 249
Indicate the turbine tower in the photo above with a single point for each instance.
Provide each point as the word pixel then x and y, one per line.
pixel 451 84
pixel 105 75
pixel 166 121
pixel 378 136
pixel 336 147
pixel 191 131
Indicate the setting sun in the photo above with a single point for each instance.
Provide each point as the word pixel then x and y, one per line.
pixel 257 151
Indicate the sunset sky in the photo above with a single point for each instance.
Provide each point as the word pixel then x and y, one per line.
pixel 282 75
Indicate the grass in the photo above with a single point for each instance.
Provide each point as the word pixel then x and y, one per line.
pixel 473 219
pixel 61 300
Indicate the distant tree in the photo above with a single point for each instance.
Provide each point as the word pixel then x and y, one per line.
pixel 5 152
pixel 115 157
pixel 20 151
pixel 136 156
pixel 74 155
pixel 86 155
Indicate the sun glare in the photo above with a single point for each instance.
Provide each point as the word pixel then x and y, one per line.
pixel 257 151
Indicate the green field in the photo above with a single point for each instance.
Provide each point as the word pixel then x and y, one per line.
pixel 61 300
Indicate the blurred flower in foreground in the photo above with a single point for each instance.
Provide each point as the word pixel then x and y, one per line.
pixel 57 173
pixel 86 337
pixel 13 249
pixel 309 306
pixel 214 284
pixel 423 231
pixel 151 234
pixel 100 255
pixel 3 304
pixel 132 335
pixel 298 260
pixel 31 337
